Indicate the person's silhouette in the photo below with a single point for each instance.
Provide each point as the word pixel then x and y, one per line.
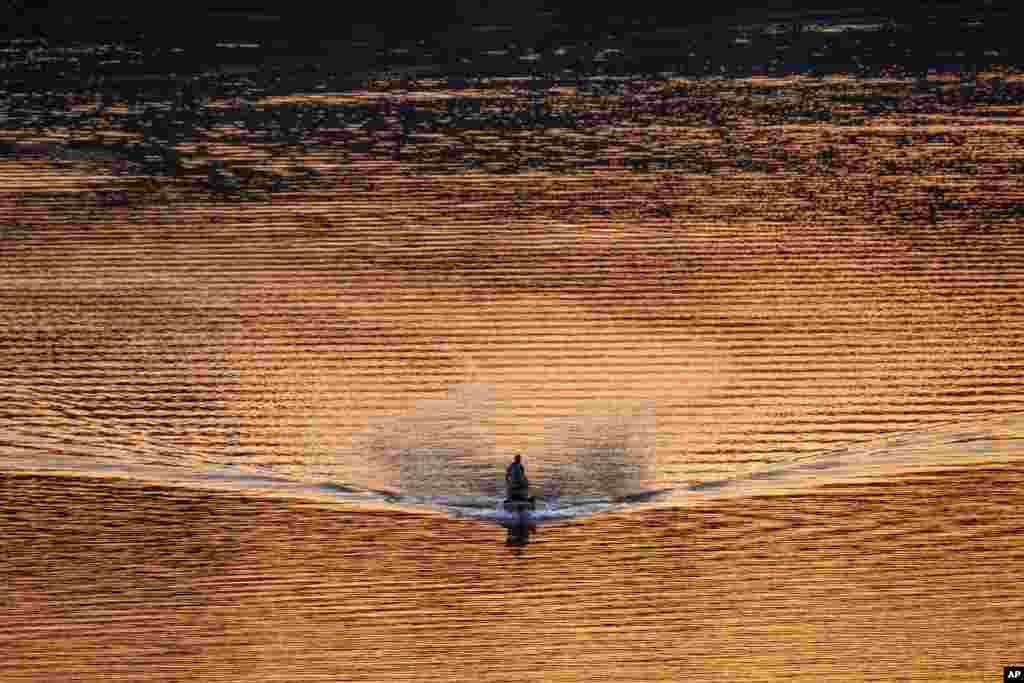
pixel 515 479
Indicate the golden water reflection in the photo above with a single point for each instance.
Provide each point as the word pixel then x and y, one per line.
pixel 694 287
pixel 125 582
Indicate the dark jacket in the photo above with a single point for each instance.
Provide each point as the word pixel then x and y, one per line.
pixel 515 474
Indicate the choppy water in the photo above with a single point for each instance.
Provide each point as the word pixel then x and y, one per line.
pixel 267 341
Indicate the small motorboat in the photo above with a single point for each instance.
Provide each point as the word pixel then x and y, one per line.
pixel 519 498
pixel 525 505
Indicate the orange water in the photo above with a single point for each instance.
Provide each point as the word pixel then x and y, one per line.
pixel 390 324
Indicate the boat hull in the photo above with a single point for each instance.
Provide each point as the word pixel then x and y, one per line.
pixel 519 505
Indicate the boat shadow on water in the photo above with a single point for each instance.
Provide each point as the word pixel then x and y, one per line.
pixel 519 531
pixel 520 523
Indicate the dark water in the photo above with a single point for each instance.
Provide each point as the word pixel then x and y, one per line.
pixel 770 265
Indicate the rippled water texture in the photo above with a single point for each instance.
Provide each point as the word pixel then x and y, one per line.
pixel 255 341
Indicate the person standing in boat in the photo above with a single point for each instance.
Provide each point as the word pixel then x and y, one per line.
pixel 515 479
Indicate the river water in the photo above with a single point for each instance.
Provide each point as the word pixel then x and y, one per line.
pixel 264 318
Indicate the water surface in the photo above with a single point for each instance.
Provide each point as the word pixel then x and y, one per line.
pixel 259 329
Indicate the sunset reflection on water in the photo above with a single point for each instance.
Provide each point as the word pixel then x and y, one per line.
pixel 806 326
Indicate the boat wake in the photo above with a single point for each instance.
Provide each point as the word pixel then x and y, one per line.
pixel 566 490
pixel 491 509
